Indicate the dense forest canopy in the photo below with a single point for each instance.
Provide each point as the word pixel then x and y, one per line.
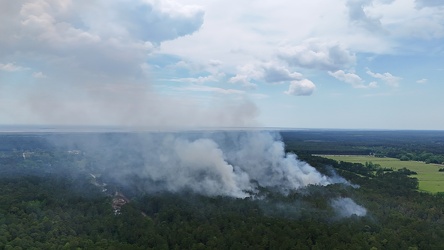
pixel 54 196
pixel 427 146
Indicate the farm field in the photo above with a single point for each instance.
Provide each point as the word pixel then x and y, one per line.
pixel 430 179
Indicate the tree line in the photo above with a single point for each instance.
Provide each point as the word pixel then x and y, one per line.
pixel 55 211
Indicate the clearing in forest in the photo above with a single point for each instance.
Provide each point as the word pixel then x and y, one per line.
pixel 430 179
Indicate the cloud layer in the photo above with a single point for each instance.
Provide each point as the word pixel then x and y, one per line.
pixel 86 63
pixel 318 55
pixel 101 61
pixel 92 39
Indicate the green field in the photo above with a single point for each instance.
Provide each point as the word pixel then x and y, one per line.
pixel 430 179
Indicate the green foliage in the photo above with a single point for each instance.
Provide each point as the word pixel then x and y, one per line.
pixel 46 204
pixel 427 175
pixel 47 213
pixel 425 146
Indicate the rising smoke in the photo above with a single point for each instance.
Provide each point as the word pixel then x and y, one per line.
pixel 346 207
pixel 96 73
pixel 231 163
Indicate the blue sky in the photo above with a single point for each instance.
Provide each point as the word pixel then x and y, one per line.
pixel 361 64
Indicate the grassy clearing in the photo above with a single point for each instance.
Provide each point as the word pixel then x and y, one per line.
pixel 429 178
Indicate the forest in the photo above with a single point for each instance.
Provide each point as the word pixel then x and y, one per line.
pixel 417 145
pixel 50 200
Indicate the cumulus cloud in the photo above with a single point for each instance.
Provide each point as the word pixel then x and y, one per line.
pixel 270 72
pixel 39 75
pixel 246 75
pixel 390 21
pixel 352 79
pixel 158 21
pixel 388 78
pixel 274 73
pixel 422 81
pixel 244 81
pixel 200 79
pixel 303 87
pixel 90 40
pixel 152 20
pixel 11 67
pixel 358 15
pixel 211 71
pixel 317 55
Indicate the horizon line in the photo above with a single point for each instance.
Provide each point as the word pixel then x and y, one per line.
pixel 47 128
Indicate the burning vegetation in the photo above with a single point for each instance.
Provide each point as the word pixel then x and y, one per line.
pixel 246 191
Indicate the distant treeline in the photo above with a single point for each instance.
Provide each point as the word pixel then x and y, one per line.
pixel 48 201
pixel 69 212
pixel 23 142
pixel 426 146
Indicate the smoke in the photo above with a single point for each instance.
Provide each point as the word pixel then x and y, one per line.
pixel 72 63
pixel 346 207
pixel 231 163
pixel 126 105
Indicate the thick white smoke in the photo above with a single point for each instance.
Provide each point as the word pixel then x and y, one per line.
pixel 219 163
pixel 199 165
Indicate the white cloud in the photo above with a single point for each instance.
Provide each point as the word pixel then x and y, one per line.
pixel 211 71
pixel 200 79
pixel 425 28
pixel 166 19
pixel 359 16
pixel 96 54
pixel 352 79
pixel 373 85
pixel 253 31
pixel 303 87
pixel 275 73
pixel 93 40
pixel 246 74
pixel 316 54
pixel 388 78
pixel 270 72
pixel 11 67
pixel 201 88
pixel 39 75
pixel 215 63
pixel 84 45
pixel 245 77
pixel 404 20
pixel 422 81
pixel 258 31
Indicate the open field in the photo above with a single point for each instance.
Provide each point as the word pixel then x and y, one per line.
pixel 430 179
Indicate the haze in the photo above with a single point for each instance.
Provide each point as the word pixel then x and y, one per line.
pixel 373 64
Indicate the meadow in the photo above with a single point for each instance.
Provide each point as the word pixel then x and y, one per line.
pixel 430 179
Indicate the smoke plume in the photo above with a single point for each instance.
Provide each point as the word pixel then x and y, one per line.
pixel 231 163
pixel 346 207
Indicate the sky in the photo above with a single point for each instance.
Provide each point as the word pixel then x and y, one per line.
pixel 345 64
